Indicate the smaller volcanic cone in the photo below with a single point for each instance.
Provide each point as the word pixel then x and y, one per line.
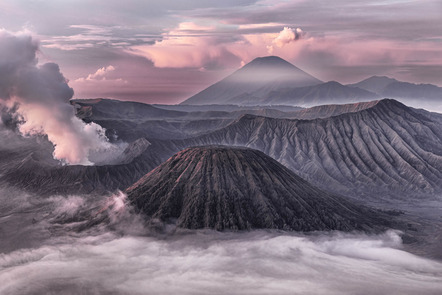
pixel 239 188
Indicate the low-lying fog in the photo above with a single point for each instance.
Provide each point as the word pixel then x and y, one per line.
pixel 44 253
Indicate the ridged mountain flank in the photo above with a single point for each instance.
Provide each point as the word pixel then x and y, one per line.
pixel 384 149
pixel 232 188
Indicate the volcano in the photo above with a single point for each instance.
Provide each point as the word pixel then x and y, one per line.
pixel 233 188
pixel 253 82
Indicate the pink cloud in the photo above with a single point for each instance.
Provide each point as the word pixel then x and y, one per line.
pixel 104 78
pixel 288 35
pixel 101 74
pixel 135 78
pixel 190 45
pixel 209 47
pixel 187 46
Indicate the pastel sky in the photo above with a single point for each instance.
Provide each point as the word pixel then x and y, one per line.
pixel 165 51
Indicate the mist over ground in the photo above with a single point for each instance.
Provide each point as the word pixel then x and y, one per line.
pixel 46 253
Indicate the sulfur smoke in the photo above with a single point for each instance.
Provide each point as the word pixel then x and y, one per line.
pixel 39 96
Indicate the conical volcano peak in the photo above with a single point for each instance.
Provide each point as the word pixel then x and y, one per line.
pixel 269 61
pixel 252 83
pixel 273 68
pixel 237 188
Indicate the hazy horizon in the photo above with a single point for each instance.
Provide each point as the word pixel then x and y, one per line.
pixel 164 52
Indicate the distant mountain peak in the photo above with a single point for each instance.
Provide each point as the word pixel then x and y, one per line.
pixel 266 61
pixel 269 58
pixel 382 80
pixel 375 77
pixel 253 82
pixel 411 93
pixel 272 69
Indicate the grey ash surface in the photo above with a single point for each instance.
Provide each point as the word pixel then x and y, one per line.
pixel 239 188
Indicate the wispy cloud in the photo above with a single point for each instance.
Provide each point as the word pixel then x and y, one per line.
pixel 190 45
pixel 89 36
pixel 102 74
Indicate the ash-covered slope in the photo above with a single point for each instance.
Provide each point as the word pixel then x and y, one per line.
pixel 131 120
pixel 252 83
pixel 107 109
pixel 386 149
pixel 36 176
pixel 377 149
pixel 27 164
pixel 238 188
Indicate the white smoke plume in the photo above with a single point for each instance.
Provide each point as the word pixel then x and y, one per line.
pixel 42 95
pixel 286 36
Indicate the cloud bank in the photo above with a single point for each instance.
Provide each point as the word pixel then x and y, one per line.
pixel 120 256
pixel 190 45
pixel 222 263
pixel 39 94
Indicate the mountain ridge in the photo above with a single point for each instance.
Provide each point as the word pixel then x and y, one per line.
pixel 392 88
pixel 272 80
pixel 325 93
pixel 387 148
pixel 383 149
